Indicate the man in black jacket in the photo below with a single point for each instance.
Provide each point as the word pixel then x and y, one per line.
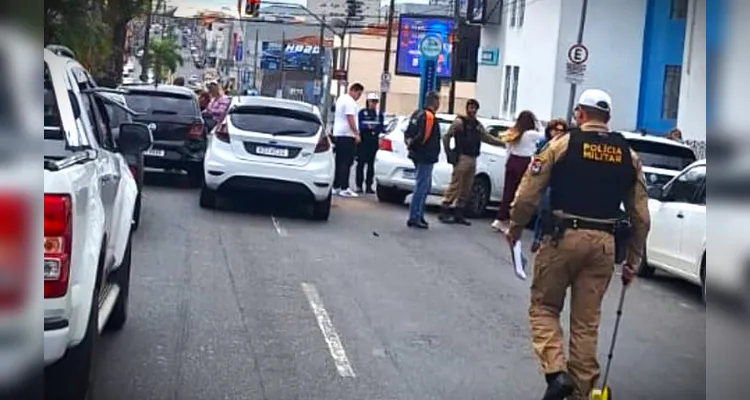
pixel 422 138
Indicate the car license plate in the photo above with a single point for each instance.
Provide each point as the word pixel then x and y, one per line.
pixel 272 151
pixel 410 174
pixel 154 152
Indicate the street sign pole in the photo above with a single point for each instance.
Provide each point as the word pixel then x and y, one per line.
pixel 429 48
pixel 573 85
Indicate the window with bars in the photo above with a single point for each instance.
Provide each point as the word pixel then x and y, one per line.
pixel 671 92
pixel 514 90
pixel 679 10
pixel 506 88
pixel 513 12
pixel 521 12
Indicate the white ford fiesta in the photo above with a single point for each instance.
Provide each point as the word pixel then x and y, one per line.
pixel 270 145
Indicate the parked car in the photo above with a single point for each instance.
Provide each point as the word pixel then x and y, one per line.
pixel 89 201
pixel 270 145
pixel 677 241
pixel 179 131
pixel 662 159
pixel 395 174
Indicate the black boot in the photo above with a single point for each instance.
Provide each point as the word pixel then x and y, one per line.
pixel 459 218
pixel 559 386
pixel 445 216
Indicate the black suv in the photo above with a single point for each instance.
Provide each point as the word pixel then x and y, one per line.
pixel 179 131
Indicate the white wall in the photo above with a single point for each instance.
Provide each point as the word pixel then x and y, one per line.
pixel 614 36
pixel 490 77
pixel 731 83
pixel 691 116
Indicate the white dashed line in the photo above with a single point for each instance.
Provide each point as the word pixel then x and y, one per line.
pixel 277 225
pixel 335 346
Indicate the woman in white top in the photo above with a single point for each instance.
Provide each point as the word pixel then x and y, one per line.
pixel 521 142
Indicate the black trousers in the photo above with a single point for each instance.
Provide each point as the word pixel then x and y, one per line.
pixel 345 151
pixel 366 159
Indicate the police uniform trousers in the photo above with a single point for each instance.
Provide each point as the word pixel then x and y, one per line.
pixel 462 179
pixel 582 260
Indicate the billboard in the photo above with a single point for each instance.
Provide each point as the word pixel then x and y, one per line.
pixel 296 57
pixel 411 30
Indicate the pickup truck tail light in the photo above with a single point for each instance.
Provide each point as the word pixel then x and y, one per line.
pixel 385 144
pixel 324 144
pixel 15 217
pixel 196 132
pixel 222 132
pixel 58 234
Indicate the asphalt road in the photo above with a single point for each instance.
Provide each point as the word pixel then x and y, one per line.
pixel 256 302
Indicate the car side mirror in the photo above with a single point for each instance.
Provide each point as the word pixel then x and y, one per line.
pixel 656 192
pixel 134 138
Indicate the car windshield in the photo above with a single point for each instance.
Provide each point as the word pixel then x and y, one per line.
pixel 662 155
pixel 275 121
pixel 162 103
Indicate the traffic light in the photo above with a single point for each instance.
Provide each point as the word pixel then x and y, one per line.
pixel 354 9
pixel 252 8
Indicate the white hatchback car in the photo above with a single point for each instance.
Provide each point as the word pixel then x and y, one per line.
pixel 662 159
pixel 394 171
pixel 270 145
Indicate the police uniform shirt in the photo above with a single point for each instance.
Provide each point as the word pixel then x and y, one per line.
pixel 540 174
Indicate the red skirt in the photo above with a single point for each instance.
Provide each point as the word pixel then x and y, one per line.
pixel 514 170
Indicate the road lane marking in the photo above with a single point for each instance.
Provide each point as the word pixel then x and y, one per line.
pixel 335 346
pixel 277 225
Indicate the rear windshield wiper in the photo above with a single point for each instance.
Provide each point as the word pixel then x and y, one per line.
pixel 168 112
pixel 290 132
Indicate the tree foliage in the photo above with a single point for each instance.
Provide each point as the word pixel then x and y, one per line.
pixel 164 57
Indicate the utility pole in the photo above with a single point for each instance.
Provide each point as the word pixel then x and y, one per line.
pixel 321 58
pixel 454 56
pixel 573 86
pixel 146 40
pixel 387 57
pixel 255 59
pixel 283 62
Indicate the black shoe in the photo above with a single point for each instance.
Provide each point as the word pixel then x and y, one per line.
pixel 424 222
pixel 446 216
pixel 369 190
pixel 459 218
pixel 559 386
pixel 359 190
pixel 417 224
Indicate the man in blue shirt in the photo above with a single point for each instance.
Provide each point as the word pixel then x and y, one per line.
pixel 370 128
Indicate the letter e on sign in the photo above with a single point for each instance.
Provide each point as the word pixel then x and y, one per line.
pixel 578 54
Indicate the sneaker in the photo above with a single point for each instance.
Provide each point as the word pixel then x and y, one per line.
pixel 498 225
pixel 336 192
pixel 348 193
pixel 417 224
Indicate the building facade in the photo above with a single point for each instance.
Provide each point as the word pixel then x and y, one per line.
pixel 648 54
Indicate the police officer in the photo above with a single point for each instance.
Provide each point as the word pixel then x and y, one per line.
pixel 370 128
pixel 469 134
pixel 591 172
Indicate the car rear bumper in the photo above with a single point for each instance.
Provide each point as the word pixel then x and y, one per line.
pixel 56 340
pixel 312 182
pixel 184 158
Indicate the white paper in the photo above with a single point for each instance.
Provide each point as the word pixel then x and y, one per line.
pixel 519 261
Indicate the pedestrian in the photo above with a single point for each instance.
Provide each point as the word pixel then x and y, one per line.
pixel 675 134
pixel 346 137
pixel 422 139
pixel 203 99
pixel 370 127
pixel 219 103
pixel 521 142
pixel 591 172
pixel 468 134
pixel 555 129
pixel 179 81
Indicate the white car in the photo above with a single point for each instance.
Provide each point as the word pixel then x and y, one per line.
pixel 394 171
pixel 662 159
pixel 273 145
pixel 677 241
pixel 89 202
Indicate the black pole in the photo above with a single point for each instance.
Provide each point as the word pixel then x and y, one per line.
pixel 146 40
pixel 255 60
pixel 387 57
pixel 573 86
pixel 454 56
pixel 321 57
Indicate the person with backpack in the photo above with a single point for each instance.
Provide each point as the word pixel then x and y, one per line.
pixel 468 134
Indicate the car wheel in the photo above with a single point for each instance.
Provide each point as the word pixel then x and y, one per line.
pixel 645 270
pixel 390 195
pixel 122 279
pixel 480 197
pixel 321 210
pixel 72 377
pixel 208 198
pixel 195 176
pixel 137 213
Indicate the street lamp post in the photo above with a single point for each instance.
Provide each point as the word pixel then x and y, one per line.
pixel 146 39
pixel 387 57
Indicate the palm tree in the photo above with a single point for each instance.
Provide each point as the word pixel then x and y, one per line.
pixel 164 57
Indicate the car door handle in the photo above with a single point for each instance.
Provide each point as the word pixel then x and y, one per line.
pixel 680 215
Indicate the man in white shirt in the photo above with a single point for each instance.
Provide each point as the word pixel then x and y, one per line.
pixel 346 137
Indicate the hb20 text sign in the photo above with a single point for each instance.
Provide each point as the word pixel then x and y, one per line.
pixel 575 68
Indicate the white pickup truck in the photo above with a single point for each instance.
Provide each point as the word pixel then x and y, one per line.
pixel 89 200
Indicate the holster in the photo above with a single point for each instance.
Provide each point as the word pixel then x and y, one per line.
pixel 552 226
pixel 623 235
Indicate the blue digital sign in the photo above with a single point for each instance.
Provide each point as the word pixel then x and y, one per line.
pixel 411 30
pixel 297 57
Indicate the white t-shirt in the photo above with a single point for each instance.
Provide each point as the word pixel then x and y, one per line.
pixel 345 105
pixel 526 146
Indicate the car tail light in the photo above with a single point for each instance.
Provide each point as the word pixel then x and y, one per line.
pixel 222 132
pixel 385 144
pixel 133 170
pixel 14 242
pixel 58 234
pixel 324 144
pixel 196 132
